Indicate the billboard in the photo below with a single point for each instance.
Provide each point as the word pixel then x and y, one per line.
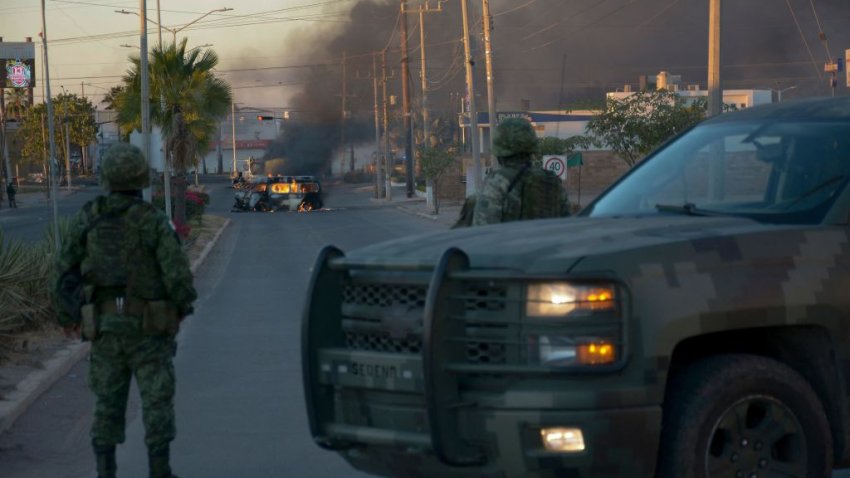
pixel 17 73
pixel 17 64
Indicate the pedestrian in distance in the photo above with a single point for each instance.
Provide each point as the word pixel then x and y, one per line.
pixel 11 191
pixel 516 190
pixel 123 282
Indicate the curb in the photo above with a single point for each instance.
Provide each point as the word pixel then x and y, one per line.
pixel 209 246
pixel 36 383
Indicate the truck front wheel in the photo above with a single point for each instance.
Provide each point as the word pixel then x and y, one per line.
pixel 743 416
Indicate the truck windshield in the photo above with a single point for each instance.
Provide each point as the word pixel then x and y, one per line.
pixel 778 171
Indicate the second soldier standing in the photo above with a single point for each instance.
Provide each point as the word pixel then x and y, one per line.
pixel 517 190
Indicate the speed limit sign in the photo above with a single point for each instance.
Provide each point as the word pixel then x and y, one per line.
pixel 556 164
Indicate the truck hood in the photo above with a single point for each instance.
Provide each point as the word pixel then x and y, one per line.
pixel 554 245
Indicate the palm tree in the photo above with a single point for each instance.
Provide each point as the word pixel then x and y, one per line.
pixel 192 101
pixel 17 103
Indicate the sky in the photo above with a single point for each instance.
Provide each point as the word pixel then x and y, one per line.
pixel 551 52
pixel 85 39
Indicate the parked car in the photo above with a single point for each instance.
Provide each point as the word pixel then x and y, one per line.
pixel 691 322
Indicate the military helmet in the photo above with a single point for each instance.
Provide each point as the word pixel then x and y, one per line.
pixel 123 168
pixel 514 137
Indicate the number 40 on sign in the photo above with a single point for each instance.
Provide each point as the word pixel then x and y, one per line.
pixel 556 164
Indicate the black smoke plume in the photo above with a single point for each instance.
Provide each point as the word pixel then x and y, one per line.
pixel 550 53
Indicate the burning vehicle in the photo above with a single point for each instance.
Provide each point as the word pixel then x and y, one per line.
pixel 280 193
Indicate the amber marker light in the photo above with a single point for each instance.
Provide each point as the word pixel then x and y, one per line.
pixel 564 440
pixel 601 353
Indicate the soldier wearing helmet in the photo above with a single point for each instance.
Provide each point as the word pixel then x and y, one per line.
pixel 123 282
pixel 517 190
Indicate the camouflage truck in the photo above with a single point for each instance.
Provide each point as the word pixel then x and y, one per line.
pixel 693 321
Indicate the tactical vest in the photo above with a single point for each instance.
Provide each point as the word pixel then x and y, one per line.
pixel 533 193
pixel 119 262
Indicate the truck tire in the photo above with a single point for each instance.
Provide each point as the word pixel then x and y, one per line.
pixel 743 415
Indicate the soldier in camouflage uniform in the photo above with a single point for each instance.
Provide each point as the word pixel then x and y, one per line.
pixel 137 287
pixel 518 190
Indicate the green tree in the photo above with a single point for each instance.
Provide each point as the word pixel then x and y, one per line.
pixel 70 109
pixel 634 126
pixel 435 162
pixel 193 99
pixel 551 145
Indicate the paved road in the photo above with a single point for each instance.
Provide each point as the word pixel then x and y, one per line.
pixel 28 222
pixel 239 405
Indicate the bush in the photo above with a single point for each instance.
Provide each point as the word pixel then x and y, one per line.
pixel 196 202
pixel 25 279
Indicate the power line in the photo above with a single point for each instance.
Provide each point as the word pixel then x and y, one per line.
pixel 511 10
pixel 821 34
pixel 803 37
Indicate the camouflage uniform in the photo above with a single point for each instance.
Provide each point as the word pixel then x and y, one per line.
pixel 159 291
pixel 517 190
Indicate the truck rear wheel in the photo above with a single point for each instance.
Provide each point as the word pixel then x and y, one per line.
pixel 743 416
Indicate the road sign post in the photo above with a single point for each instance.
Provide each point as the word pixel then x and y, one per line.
pixel 847 66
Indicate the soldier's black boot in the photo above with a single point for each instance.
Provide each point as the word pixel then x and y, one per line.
pixel 105 459
pixel 159 461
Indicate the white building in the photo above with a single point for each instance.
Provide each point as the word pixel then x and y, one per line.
pixel 735 99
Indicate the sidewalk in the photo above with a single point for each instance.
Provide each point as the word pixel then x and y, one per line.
pixel 42 359
pixel 447 216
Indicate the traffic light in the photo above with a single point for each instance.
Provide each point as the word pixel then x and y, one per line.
pixel 264 118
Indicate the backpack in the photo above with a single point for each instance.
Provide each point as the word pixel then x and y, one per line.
pixel 542 195
pixel 70 294
pixel 532 193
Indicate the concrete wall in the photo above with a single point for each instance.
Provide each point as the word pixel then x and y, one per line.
pixel 600 170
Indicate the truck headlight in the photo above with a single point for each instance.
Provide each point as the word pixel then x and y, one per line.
pixel 558 299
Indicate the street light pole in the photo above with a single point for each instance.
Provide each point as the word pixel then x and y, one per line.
pixel 233 136
pixel 57 240
pixel 166 157
pixel 145 90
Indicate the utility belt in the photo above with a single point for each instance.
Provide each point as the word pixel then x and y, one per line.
pixel 131 316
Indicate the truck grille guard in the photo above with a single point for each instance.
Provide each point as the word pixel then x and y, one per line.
pixel 322 328
pixel 456 305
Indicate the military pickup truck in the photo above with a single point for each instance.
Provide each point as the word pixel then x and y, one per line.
pixel 693 321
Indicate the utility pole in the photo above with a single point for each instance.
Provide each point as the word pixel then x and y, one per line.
pixel 67 152
pixel 379 193
pixel 388 161
pixel 488 55
pixel 3 137
pixel 473 186
pixel 166 160
pixel 405 95
pixel 715 86
pixel 145 90
pixel 52 133
pixel 342 121
pixel 233 136
pixel 426 126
